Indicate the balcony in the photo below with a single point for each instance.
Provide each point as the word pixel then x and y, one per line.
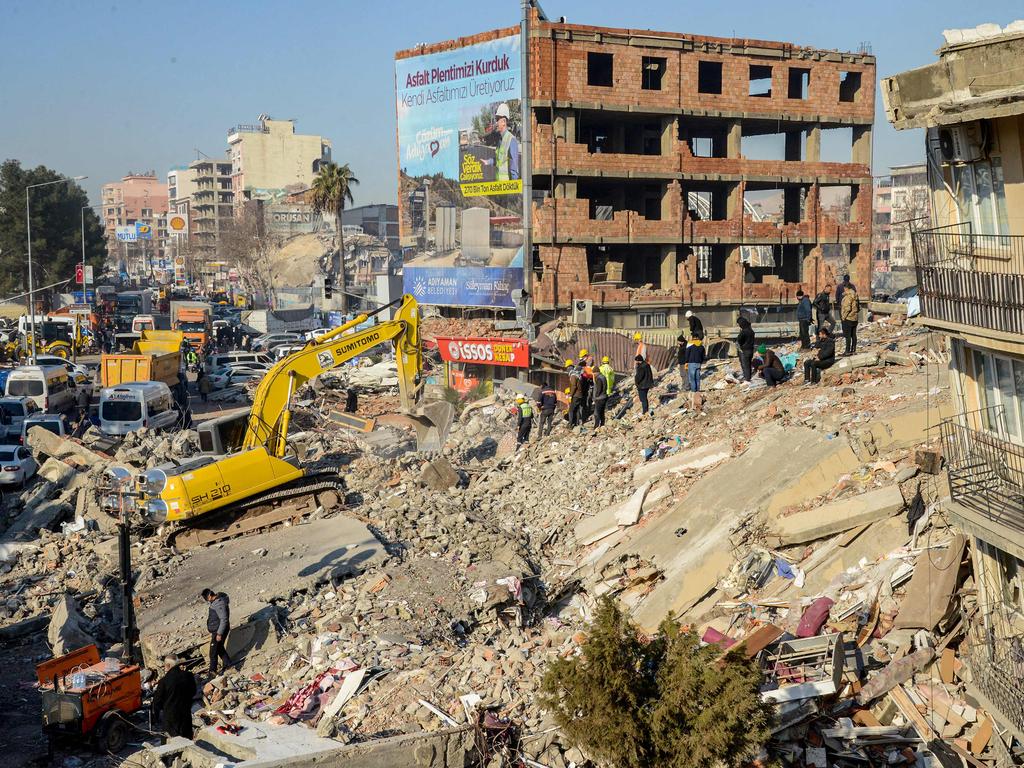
pixel 986 469
pixel 995 657
pixel 970 279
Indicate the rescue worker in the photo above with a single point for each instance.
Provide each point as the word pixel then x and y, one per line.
pixel 643 377
pixel 587 382
pixel 525 420
pixel 506 154
pixel 641 347
pixel 575 393
pixel 696 326
pixel 173 698
pixel 608 372
pixel 546 405
pixel 601 392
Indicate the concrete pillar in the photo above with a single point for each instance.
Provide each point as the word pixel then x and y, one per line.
pixel 668 136
pixel 812 151
pixel 734 201
pixel 793 144
pixel 566 188
pixel 734 139
pixel 861 152
pixel 668 267
pixel 564 125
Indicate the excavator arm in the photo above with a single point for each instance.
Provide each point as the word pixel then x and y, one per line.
pixel 270 415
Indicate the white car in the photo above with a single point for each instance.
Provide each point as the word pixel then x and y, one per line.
pixel 229 377
pixel 79 374
pixel 268 339
pixel 16 465
pixel 316 333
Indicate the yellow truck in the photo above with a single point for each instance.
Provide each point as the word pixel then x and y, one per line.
pixel 156 356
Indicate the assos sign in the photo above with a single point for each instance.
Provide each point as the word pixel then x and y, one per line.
pixel 511 352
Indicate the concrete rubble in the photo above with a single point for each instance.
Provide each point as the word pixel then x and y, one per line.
pixel 437 590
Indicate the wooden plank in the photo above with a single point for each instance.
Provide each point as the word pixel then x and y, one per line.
pixel 909 711
pixel 946 665
pixel 982 737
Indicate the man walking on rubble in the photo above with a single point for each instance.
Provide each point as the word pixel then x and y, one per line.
pixel 524 420
pixel 546 405
pixel 218 623
pixel 602 390
pixel 643 378
pixel 823 308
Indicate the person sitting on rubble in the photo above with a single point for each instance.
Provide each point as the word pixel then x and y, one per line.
pixel 173 698
pixel 826 357
pixel 524 420
pixel 772 370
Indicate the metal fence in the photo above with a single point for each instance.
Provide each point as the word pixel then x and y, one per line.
pixel 969 278
pixel 986 469
pixel 995 656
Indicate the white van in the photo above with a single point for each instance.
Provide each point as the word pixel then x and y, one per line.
pixel 47 385
pixel 216 362
pixel 137 404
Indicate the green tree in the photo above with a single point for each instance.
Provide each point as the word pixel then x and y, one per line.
pixel 667 701
pixel 56 228
pixel 331 190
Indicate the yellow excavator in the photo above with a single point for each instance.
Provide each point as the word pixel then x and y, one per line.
pixel 246 461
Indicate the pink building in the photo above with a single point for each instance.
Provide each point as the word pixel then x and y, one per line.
pixel 136 199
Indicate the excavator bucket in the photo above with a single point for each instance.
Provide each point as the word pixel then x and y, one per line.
pixel 432 420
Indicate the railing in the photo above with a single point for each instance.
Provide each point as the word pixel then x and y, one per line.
pixel 972 279
pixel 249 128
pixel 995 657
pixel 986 469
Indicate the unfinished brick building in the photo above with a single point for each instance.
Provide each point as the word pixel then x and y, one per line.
pixel 655 156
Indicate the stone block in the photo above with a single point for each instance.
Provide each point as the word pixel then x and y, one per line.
pixel 830 519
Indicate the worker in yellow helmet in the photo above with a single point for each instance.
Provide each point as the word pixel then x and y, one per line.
pixel 608 372
pixel 524 412
pixel 641 347
pixel 583 354
pixel 569 363
pixel 546 404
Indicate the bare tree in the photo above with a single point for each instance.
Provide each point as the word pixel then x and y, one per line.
pixel 248 245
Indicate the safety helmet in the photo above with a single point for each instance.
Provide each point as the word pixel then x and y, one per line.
pixel 567 390
pixel 637 336
pixel 520 399
pixel 502 111
pixel 583 353
pixel 606 359
pixel 568 363
pixel 689 313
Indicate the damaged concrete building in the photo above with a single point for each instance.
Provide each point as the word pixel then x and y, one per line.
pixel 675 171
pixel 970 267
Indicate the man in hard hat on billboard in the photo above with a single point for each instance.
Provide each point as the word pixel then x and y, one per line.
pixel 506 155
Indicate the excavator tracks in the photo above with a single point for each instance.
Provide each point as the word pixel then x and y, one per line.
pixel 260 512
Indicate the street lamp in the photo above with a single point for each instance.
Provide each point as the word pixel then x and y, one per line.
pixel 28 229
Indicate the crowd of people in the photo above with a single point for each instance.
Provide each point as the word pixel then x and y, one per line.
pixel 592 385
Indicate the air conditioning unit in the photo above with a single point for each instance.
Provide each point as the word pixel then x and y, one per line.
pixel 582 312
pixel 962 143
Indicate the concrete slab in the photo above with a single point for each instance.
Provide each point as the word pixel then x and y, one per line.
pixel 26 527
pixel 845 364
pixel 628 513
pixel 692 458
pixel 816 479
pixel 655 496
pixel 830 519
pixel 172 617
pixel 693 563
pixel 262 744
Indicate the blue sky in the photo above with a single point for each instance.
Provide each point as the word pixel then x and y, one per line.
pixel 104 87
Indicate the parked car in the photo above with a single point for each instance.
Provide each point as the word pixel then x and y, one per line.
pixel 54 422
pixel 229 377
pixel 16 465
pixel 13 412
pixel 316 333
pixel 264 341
pixel 81 376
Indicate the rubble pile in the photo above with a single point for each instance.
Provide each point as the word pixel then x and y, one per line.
pixel 495 556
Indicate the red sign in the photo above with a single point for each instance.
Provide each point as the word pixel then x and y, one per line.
pixel 79 274
pixel 512 352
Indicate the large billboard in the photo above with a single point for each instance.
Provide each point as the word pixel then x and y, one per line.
pixel 460 165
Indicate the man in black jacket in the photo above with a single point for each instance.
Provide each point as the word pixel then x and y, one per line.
pixel 681 361
pixel 173 698
pixel 696 326
pixel 218 623
pixel 826 357
pixel 745 347
pixel 546 405
pixel 823 308
pixel 643 377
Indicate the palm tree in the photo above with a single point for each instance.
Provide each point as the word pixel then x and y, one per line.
pixel 331 189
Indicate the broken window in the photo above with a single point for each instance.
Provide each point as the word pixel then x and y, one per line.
pixel 799 82
pixel 710 262
pixel 544 116
pixel 652 71
pixel 599 69
pixel 760 81
pixel 706 203
pixel 836 145
pixel 709 77
pixel 704 139
pixel 849 86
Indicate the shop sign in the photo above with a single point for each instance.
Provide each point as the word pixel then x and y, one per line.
pixel 510 352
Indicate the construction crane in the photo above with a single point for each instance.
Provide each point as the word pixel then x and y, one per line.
pixel 246 461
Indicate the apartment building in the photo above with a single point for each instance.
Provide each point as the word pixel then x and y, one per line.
pixel 138 198
pixel 268 157
pixel 970 268
pixel 655 152
pixel 910 209
pixel 377 219
pixel 881 212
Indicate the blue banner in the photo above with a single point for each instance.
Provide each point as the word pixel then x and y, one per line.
pixel 88 298
pixel 465 286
